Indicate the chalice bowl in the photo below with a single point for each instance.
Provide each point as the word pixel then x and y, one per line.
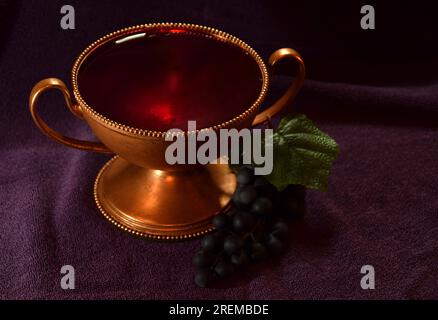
pixel 133 85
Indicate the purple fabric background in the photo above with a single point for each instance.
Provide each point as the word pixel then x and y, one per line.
pixel 375 92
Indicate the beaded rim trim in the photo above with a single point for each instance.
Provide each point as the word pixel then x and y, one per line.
pixel 145 27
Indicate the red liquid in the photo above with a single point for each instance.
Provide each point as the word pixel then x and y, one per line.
pixel 161 81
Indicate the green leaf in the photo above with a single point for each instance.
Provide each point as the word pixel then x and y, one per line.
pixel 303 154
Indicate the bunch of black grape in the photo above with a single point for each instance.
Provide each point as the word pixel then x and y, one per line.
pixel 254 229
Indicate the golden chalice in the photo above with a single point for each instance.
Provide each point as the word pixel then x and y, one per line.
pixel 134 84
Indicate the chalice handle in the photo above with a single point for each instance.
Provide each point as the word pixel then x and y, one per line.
pixel 54 83
pixel 291 92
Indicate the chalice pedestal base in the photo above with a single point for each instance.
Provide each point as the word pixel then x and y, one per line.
pixel 163 205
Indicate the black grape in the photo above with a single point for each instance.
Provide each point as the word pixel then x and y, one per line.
pixel 252 230
pixel 204 277
pixel 240 259
pixel 203 259
pixel 262 206
pixel 232 244
pixel 274 244
pixel 280 229
pixel 221 221
pixel 258 251
pixel 245 176
pixel 243 221
pixel 211 242
pixel 223 268
pixel 246 195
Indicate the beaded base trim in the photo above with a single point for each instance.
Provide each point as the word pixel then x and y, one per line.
pixel 208 228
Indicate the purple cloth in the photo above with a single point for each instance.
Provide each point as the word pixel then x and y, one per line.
pixel 376 94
